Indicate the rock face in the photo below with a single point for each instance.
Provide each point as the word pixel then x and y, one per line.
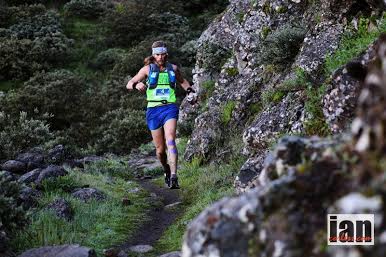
pixel 60 251
pixel 301 181
pixel 234 75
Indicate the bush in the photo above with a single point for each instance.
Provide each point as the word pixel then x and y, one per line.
pixel 122 130
pixel 15 14
pixel 87 8
pixel 19 134
pixel 212 56
pixel 282 45
pixel 31 45
pixel 106 60
pixel 60 93
pixel 12 215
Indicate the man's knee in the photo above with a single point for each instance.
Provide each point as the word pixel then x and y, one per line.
pixel 172 147
pixel 160 149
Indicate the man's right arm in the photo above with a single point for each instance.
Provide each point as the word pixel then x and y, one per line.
pixel 135 82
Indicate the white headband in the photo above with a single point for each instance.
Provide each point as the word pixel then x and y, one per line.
pixel 160 50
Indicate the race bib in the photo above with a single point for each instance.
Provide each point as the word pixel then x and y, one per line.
pixel 163 93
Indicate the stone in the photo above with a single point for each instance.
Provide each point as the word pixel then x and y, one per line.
pixel 30 177
pixel 14 166
pixel 33 160
pixel 52 171
pixel 87 194
pixel 141 248
pixel 29 197
pixel 62 208
pixel 171 254
pixel 60 251
pixel 57 154
pixel 172 205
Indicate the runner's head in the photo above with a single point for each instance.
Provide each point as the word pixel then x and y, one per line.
pixel 159 52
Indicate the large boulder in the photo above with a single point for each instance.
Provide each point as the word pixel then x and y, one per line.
pixel 14 166
pixel 30 177
pixel 33 160
pixel 52 171
pixel 302 181
pixel 60 251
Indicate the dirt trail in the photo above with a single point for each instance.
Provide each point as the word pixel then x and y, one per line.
pixel 159 217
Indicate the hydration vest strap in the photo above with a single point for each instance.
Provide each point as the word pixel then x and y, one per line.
pixel 159 101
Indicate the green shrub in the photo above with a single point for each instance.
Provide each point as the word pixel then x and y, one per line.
pixel 12 215
pixel 17 134
pixel 91 9
pixel 32 44
pixel 121 130
pixel 106 60
pixel 226 112
pixel 212 56
pixel 60 93
pixel 353 43
pixel 317 124
pixel 281 46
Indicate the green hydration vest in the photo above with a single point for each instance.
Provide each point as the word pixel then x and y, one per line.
pixel 161 85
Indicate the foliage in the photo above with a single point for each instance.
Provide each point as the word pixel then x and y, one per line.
pixel 15 14
pixel 353 43
pixel 60 93
pixel 212 56
pixel 122 130
pixel 91 9
pixel 32 44
pixel 201 186
pixel 316 125
pixel 20 133
pixel 106 60
pixel 282 45
pixel 12 215
pixel 226 112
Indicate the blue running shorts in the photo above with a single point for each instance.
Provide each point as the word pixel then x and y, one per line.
pixel 157 116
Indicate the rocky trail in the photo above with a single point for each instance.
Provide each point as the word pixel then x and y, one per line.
pixel 164 211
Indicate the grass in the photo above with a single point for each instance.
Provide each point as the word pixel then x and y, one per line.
pixel 353 43
pixel 226 112
pixel 98 225
pixel 200 186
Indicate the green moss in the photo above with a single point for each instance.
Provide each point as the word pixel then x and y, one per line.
pixel 226 112
pixel 265 31
pixel 232 71
pixel 240 17
pixel 208 87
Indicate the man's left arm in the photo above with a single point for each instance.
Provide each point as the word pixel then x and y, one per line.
pixel 183 82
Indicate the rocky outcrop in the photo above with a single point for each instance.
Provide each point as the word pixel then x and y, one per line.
pixel 234 74
pixel 303 180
